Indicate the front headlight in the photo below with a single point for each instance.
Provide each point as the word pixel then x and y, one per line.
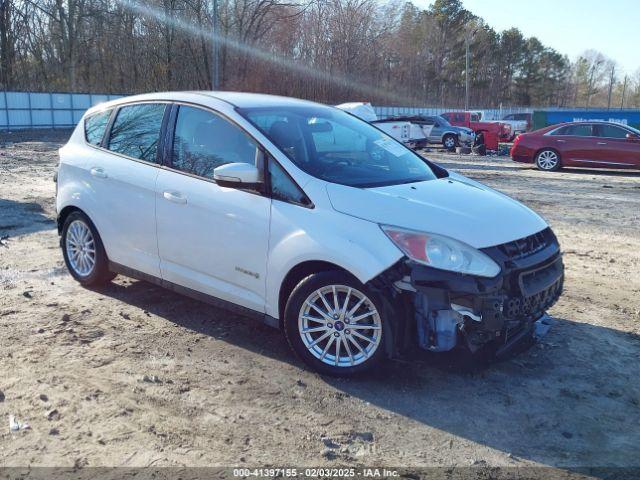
pixel 442 252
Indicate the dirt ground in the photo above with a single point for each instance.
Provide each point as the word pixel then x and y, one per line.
pixel 132 375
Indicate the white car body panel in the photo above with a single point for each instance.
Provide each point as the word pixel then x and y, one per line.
pixel 239 246
pixel 450 206
pixel 128 234
pixel 216 241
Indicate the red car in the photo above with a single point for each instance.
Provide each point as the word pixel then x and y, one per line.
pixel 494 132
pixel 579 144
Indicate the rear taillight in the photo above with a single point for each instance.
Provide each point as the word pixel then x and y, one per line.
pixel 516 141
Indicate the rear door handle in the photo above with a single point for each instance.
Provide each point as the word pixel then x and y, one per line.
pixel 602 143
pixel 175 197
pixel 98 172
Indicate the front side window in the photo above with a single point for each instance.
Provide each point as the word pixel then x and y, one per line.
pixel 610 131
pixel 204 141
pixel 95 125
pixel 136 131
pixel 337 147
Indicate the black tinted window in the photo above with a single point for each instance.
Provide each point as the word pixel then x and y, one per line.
pixel 204 141
pixel 136 131
pixel 95 125
pixel 579 130
pixel 283 188
pixel 610 131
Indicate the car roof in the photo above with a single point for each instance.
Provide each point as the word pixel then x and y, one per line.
pixel 237 99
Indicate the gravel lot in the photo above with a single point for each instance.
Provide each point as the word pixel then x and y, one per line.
pixel 133 375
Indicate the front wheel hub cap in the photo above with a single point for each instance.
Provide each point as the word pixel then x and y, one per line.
pixel 326 339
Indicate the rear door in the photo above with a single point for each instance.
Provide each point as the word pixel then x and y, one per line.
pixel 614 149
pixel 576 144
pixel 123 175
pixel 211 239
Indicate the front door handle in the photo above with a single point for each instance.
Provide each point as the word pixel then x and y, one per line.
pixel 175 197
pixel 602 143
pixel 98 172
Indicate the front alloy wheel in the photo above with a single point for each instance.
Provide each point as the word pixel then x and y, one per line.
pixel 337 328
pixel 548 160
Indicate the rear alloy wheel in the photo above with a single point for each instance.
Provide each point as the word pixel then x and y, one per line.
pixel 548 160
pixel 450 142
pixel 83 251
pixel 333 324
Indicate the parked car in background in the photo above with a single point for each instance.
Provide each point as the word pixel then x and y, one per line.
pixel 438 130
pixel 519 117
pixel 518 125
pixel 494 132
pixel 579 144
pixel 409 134
pixel 307 218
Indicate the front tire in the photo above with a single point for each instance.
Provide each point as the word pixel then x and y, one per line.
pixel 450 142
pixel 334 324
pixel 83 251
pixel 548 160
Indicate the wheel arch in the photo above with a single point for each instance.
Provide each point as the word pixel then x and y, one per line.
pixel 300 271
pixel 64 213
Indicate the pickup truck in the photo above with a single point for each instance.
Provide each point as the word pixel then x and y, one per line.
pixel 518 125
pixel 494 131
pixel 438 130
pixel 406 132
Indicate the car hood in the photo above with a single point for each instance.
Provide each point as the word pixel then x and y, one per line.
pixel 455 206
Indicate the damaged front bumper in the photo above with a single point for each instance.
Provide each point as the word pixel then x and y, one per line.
pixel 439 310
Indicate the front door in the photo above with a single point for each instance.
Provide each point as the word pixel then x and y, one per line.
pixel 211 239
pixel 615 149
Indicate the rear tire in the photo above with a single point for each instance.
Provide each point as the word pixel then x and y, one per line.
pixel 339 342
pixel 450 142
pixel 83 251
pixel 548 160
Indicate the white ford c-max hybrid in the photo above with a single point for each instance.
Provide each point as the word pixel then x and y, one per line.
pixel 306 217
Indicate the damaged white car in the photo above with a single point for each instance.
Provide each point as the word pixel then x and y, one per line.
pixel 307 218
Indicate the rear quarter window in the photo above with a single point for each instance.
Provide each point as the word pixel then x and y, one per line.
pixel 95 126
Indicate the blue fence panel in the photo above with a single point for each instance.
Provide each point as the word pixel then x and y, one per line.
pixel 46 110
pixel 40 101
pixel 81 101
pixel 18 100
pixel 42 118
pixel 61 100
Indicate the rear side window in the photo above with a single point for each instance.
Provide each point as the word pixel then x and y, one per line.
pixel 204 141
pixel 574 130
pixel 579 130
pixel 136 131
pixel 95 125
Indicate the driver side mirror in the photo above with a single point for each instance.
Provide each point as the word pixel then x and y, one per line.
pixel 632 137
pixel 238 175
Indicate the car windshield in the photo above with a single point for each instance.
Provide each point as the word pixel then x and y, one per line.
pixel 337 147
pixel 443 121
